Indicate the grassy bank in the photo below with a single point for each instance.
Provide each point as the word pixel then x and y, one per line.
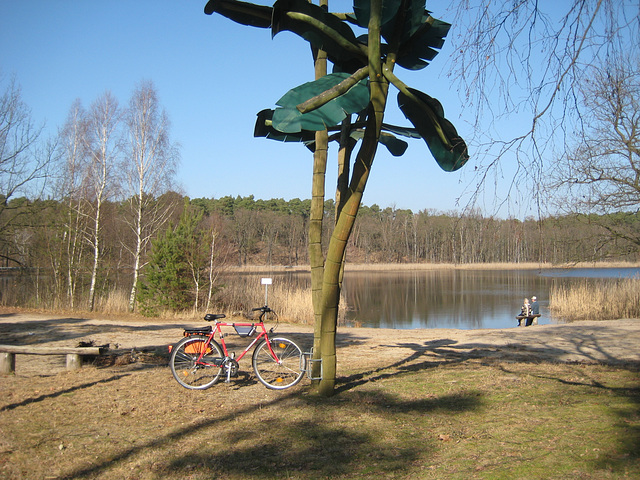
pixel 416 420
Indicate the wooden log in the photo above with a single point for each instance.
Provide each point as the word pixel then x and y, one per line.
pixel 74 355
pixel 40 350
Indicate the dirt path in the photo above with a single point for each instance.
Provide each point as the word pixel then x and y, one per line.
pixel 612 342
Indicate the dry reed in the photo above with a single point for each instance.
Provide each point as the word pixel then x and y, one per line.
pixel 290 300
pixel 113 301
pixel 606 300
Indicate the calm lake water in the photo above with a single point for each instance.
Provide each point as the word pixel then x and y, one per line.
pixel 463 299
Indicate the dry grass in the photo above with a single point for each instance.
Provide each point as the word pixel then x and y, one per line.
pixel 244 292
pixel 459 420
pixel 606 300
pixel 115 301
pixel 291 301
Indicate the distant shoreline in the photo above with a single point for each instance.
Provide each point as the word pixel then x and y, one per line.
pixel 390 267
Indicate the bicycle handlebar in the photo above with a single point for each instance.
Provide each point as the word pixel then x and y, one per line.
pixel 264 309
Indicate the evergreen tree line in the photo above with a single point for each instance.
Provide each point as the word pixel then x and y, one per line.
pixel 274 232
pixel 181 270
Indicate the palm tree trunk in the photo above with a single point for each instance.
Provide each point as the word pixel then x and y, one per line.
pixel 345 221
pixel 316 257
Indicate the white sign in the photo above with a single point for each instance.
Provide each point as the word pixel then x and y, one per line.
pixel 266 281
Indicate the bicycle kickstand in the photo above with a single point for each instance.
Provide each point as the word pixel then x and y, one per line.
pixel 228 366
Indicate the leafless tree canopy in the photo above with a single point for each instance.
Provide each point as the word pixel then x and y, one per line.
pixel 526 62
pixel 24 165
pixel 601 172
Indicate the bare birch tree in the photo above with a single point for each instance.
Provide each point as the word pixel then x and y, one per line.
pixel 73 137
pixel 149 168
pixel 103 149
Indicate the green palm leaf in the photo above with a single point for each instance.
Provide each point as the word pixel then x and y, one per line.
pixel 413 16
pixel 395 146
pixel 321 29
pixel 289 119
pixel 427 115
pixel 404 131
pixel 264 128
pixel 420 38
pixel 420 48
pixel 241 12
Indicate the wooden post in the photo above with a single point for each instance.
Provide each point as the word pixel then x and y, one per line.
pixel 74 361
pixel 7 363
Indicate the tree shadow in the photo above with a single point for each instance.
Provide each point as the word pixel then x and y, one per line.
pixel 44 332
pixel 41 398
pixel 315 448
pixel 285 445
pixel 628 450
pixel 407 364
pixel 573 348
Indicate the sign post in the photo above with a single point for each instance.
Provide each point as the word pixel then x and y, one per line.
pixel 266 282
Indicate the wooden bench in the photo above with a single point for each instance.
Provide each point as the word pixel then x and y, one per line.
pixel 74 355
pixel 530 320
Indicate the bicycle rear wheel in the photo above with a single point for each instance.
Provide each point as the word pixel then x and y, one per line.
pixel 284 372
pixel 185 367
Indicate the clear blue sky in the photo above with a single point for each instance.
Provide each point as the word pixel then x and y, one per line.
pixel 212 76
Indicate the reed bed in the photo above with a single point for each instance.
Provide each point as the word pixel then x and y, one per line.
pixel 113 301
pixel 603 300
pixel 290 299
pixel 241 293
pixel 390 267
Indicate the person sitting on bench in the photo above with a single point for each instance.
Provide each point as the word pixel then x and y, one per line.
pixel 532 318
pixel 525 312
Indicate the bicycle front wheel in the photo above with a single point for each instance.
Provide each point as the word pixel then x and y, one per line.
pixel 188 370
pixel 283 371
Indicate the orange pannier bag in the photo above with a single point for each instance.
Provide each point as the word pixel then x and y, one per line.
pixel 196 347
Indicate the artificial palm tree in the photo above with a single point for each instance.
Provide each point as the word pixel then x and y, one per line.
pixel 347 106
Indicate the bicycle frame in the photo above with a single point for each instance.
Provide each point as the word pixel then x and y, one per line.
pixel 217 328
pixel 198 359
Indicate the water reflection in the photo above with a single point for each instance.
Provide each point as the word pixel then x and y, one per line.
pixel 440 299
pixel 463 299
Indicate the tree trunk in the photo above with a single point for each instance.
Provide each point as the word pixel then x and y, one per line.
pixel 136 254
pixel 96 258
pixel 316 216
pixel 352 200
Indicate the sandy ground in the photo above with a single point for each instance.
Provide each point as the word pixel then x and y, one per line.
pixel 612 342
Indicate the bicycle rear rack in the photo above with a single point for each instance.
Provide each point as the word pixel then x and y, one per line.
pixel 310 362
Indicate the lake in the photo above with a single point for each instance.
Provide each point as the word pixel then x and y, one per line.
pixel 463 299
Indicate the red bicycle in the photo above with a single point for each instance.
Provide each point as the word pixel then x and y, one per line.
pixel 198 360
